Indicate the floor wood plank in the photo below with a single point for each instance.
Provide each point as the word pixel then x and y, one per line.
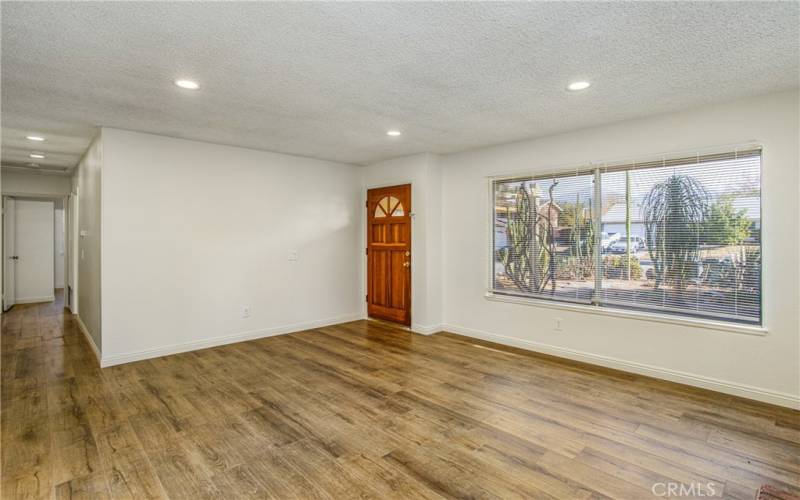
pixel 364 410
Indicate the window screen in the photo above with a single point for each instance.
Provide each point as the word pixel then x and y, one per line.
pixel 678 236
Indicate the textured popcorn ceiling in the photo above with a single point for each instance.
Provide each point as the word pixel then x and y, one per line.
pixel 327 80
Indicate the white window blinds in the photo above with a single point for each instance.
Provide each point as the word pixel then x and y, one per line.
pixel 543 237
pixel 678 235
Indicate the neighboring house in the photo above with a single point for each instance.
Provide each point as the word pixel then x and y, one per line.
pixel 546 210
pixel 551 212
pixel 613 221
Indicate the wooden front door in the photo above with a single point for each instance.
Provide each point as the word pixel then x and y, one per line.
pixel 389 253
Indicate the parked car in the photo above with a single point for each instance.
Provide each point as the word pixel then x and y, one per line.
pixel 608 239
pixel 621 245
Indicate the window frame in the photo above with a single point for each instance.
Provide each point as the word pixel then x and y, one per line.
pixel 617 310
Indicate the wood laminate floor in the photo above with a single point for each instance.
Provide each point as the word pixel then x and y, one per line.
pixel 365 410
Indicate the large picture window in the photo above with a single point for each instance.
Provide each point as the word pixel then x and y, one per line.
pixel 676 236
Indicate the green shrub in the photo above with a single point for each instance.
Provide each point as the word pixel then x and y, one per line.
pixel 723 225
pixel 614 267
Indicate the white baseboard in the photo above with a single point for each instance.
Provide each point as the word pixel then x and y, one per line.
pixel 89 339
pixel 426 330
pixel 118 359
pixel 35 300
pixel 733 388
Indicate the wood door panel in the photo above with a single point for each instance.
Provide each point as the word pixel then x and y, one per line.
pixel 389 234
pixel 381 266
pixel 397 287
pixel 389 293
pixel 389 253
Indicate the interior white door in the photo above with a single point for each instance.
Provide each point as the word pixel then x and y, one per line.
pixel 35 273
pixel 60 245
pixel 9 253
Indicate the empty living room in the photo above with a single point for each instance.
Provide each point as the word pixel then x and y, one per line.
pixel 299 250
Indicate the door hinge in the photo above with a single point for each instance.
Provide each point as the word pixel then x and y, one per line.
pixel 366 203
pixel 367 251
pixel 366 298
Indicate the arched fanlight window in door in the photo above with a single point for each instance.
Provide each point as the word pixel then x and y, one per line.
pixel 389 206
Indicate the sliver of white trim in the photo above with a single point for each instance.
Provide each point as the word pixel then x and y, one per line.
pixel 35 300
pixel 89 338
pixel 426 329
pixel 194 345
pixel 619 312
pixel 723 386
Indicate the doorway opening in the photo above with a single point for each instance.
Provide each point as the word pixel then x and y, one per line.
pixel 34 250
pixel 389 254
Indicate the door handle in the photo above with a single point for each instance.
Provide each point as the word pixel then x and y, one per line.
pixel 406 264
pixel 14 257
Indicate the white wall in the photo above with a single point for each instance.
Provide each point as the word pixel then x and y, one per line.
pixel 424 174
pixel 87 180
pixel 2 248
pixel 764 367
pixel 34 246
pixel 22 184
pixel 193 232
pixel 60 249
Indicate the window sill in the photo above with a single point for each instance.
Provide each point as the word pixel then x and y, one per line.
pixel 758 331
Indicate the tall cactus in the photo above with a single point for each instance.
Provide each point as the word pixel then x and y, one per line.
pixel 673 212
pixel 525 260
pixel 519 234
pixel 581 237
pixel 550 239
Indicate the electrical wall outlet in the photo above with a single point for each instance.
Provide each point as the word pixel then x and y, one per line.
pixel 557 324
pixel 293 255
pixel 246 312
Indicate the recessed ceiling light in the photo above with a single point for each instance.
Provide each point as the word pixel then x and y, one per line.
pixel 33 164
pixel 578 86
pixel 38 156
pixel 394 133
pixel 187 84
pixel 36 138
